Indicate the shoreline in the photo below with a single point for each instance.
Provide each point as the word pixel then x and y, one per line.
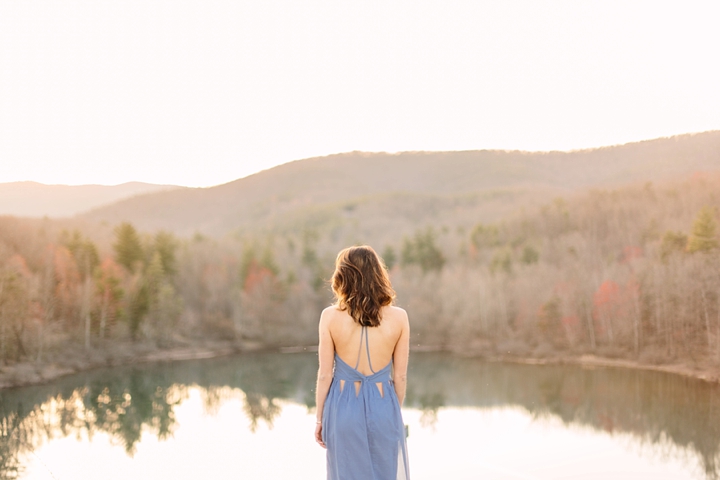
pixel 594 361
pixel 707 373
pixel 27 374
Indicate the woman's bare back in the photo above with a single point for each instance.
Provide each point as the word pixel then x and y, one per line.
pixel 382 340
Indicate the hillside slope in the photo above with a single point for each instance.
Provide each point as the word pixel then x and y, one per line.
pixel 332 180
pixel 32 199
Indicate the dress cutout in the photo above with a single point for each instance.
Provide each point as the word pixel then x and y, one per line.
pixel 362 426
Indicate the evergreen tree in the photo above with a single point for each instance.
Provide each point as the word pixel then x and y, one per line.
pixel 108 280
pixel 389 257
pixel 484 236
pixel 165 246
pixel 128 248
pixel 421 250
pixel 251 265
pixel 309 256
pixel 549 317
pixel 83 251
pixel 137 306
pixel 154 275
pixel 672 242
pixel 268 260
pixel 530 255
pixel 164 306
pixel 502 260
pixel 704 233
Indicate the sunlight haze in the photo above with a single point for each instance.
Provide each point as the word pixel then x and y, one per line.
pixel 201 93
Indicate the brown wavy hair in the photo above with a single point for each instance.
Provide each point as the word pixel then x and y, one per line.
pixel 361 284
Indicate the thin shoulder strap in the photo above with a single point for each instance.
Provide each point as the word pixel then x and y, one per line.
pixel 364 333
pixel 367 348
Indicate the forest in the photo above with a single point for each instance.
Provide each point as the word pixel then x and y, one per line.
pixel 630 272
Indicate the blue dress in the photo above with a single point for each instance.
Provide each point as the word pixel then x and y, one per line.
pixel 364 431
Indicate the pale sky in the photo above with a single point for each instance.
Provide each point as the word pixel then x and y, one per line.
pixel 203 92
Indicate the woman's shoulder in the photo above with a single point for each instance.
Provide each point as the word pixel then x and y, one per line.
pixel 330 312
pixel 395 314
pixel 333 315
pixel 396 310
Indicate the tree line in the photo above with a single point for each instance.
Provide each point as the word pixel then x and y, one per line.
pixel 632 272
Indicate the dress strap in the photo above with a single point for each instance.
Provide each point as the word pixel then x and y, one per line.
pixel 364 333
pixel 367 348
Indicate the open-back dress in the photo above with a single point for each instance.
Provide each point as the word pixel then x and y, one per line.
pixel 362 424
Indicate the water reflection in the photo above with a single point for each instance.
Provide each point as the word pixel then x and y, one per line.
pixel 653 406
pixel 125 402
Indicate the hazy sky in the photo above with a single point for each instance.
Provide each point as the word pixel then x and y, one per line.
pixel 203 92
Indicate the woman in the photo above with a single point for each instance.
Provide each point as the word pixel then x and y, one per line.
pixel 358 408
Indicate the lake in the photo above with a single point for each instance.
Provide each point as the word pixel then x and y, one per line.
pixel 251 416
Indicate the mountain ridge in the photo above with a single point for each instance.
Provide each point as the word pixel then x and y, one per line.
pixel 336 178
pixel 35 199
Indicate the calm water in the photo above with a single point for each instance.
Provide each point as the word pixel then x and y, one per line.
pixel 252 416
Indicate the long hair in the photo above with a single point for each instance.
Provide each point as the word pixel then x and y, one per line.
pixel 361 284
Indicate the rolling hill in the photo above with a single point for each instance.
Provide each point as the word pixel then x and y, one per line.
pixel 32 199
pixel 483 184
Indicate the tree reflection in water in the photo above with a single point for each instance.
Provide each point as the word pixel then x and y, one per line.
pixel 124 402
pixel 653 407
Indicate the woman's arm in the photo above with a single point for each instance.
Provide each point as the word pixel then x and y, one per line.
pixel 326 357
pixel 400 359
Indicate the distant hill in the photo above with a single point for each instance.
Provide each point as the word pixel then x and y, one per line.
pixel 485 184
pixel 31 199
